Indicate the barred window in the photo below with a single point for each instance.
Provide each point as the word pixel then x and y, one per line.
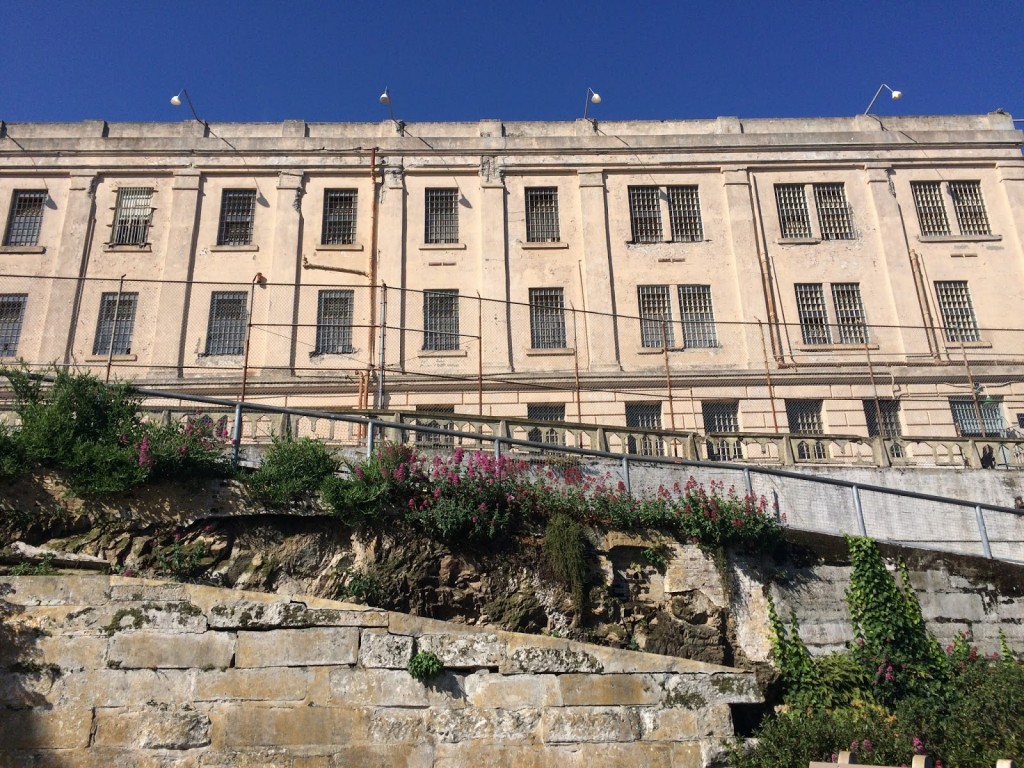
pixel 12 313
pixel 440 320
pixel 805 419
pixel 645 214
pixel 698 316
pixel 794 220
pixel 132 216
pixel 26 218
pixel 850 319
pixel 237 214
pixel 442 216
pixel 969 207
pixel 545 412
pixel 957 311
pixel 115 324
pixel 890 413
pixel 226 331
pixel 722 417
pixel 833 212
pixel 684 214
pixel 965 411
pixel 547 318
pixel 431 439
pixel 655 316
pixel 931 212
pixel 542 215
pixel 813 314
pixel 644 416
pixel 339 226
pixel 334 322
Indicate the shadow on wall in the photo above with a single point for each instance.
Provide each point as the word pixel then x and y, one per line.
pixel 24 681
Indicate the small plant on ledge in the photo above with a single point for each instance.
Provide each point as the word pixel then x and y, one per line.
pixel 425 666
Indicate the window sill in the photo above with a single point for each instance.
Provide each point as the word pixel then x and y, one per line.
pixel 798 240
pixel 340 247
pixel 543 246
pixel 955 345
pixel 23 249
pixel 112 358
pixel 959 238
pixel 337 353
pixel 660 351
pixel 550 352
pixel 444 353
pixel 442 246
pixel 109 248
pixel 832 347
pixel 234 248
pixel 635 244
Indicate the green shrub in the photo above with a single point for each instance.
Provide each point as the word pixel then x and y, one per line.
pixel 12 456
pixel 565 552
pixel 425 666
pixel 291 471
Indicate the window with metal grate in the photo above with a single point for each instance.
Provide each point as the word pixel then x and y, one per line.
pixel 644 416
pixel 440 320
pixel 931 211
pixel 115 324
pixel 645 214
pixel 132 216
pixel 813 313
pixel 969 206
pixel 334 322
pixel 698 316
pixel 794 219
pixel 977 418
pixel 339 224
pixel 722 416
pixel 805 419
pixel 542 215
pixel 12 313
pixel 684 214
pixel 26 218
pixel 226 331
pixel 547 318
pixel 655 316
pixel 850 320
pixel 958 320
pixel 442 216
pixel 834 221
pixel 237 215
pixel 545 412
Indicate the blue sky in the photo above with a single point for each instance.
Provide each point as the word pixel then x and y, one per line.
pixel 523 60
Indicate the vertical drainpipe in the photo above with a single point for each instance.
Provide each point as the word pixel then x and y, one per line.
pixel 371 343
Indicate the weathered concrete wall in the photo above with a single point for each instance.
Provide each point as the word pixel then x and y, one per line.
pixel 113 671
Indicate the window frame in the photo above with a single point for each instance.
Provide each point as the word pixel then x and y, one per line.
pixel 133 217
pixel 542 216
pixel 933 200
pixel 644 217
pixel 340 215
pixel 547 318
pixel 115 323
pixel 334 328
pixel 243 218
pixel 11 326
pixel 222 330
pixel 654 320
pixel 697 316
pixel 636 414
pixel 954 330
pixel 847 304
pixel 833 218
pixel 441 320
pixel 439 202
pixel 964 410
pixel 23 228
pixel 727 411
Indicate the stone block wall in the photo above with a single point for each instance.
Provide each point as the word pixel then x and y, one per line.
pixel 98 670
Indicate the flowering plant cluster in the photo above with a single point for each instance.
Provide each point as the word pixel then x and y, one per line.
pixel 471 496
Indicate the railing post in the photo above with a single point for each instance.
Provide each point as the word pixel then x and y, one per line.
pixel 986 547
pixel 748 481
pixel 236 435
pixel 786 455
pixel 625 474
pixel 370 429
pixel 859 510
pixel 497 449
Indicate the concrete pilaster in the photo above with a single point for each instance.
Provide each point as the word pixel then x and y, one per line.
pixel 174 291
pixel 1011 180
pixel 392 269
pixel 493 278
pixel 602 332
pixel 61 318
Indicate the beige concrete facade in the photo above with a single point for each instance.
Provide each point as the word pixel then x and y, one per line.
pixel 904 233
